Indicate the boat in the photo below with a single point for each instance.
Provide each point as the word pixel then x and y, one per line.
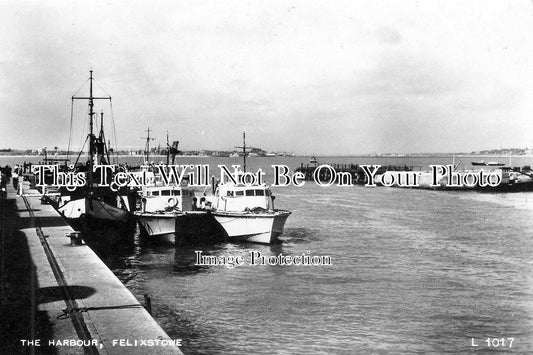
pixel 246 212
pixel 95 203
pixel 159 208
pixel 490 163
pixel 499 179
pixel 513 180
pixel 479 163
pixel 161 204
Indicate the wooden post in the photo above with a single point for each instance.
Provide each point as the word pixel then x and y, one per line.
pixel 148 303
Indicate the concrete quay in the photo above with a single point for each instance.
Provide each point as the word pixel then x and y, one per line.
pixel 60 298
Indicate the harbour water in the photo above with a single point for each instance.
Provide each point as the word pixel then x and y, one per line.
pixel 413 271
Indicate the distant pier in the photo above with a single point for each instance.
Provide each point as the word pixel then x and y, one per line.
pixel 355 171
pixel 494 178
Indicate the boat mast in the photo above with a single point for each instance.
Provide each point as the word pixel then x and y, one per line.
pixel 91 136
pixel 243 150
pixel 168 150
pixel 147 147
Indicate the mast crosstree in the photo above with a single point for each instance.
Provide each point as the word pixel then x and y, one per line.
pixel 97 147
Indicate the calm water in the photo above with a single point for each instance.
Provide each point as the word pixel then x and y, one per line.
pixel 414 271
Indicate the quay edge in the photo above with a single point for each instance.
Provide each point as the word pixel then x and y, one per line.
pixel 66 294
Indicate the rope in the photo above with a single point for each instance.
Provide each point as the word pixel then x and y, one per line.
pixel 114 129
pixel 112 119
pixel 68 311
pixel 83 132
pixel 101 87
pixel 70 132
pixel 81 87
pixel 81 151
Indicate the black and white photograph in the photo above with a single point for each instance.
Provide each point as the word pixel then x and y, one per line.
pixel 266 177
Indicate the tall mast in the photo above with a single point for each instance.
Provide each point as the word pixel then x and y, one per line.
pixel 91 135
pixel 243 150
pixel 168 150
pixel 147 146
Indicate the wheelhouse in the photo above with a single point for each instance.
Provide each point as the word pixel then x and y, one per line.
pixel 159 198
pixel 229 197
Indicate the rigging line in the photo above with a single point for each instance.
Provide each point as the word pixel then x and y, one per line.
pixel 70 132
pixel 81 151
pixel 81 87
pixel 68 311
pixel 114 129
pixel 106 149
pixel 101 87
pixel 83 130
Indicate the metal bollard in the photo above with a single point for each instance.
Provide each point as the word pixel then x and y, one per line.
pixel 75 238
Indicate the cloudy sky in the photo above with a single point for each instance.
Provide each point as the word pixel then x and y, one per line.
pixel 312 77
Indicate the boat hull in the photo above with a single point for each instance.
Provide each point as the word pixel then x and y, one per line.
pixel 96 209
pixel 264 228
pixel 103 211
pixel 103 226
pixel 161 225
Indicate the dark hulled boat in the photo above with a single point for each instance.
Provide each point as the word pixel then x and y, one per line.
pixel 94 203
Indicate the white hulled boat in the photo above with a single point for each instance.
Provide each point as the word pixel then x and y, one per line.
pixel 160 206
pixel 247 213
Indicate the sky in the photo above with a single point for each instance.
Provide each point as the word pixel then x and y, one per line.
pixel 309 77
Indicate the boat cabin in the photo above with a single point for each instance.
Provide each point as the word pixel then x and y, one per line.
pixel 160 198
pixel 229 197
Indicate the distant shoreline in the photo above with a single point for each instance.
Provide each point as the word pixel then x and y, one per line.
pixel 420 155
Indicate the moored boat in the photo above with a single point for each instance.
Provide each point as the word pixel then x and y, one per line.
pixel 490 163
pixel 160 205
pixel 257 225
pixel 495 163
pixel 246 212
pixel 93 203
pixel 500 179
pixel 479 163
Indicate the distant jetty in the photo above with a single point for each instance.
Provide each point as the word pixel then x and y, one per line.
pixel 356 172
pixel 495 178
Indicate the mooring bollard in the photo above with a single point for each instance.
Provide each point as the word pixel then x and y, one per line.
pixel 75 238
